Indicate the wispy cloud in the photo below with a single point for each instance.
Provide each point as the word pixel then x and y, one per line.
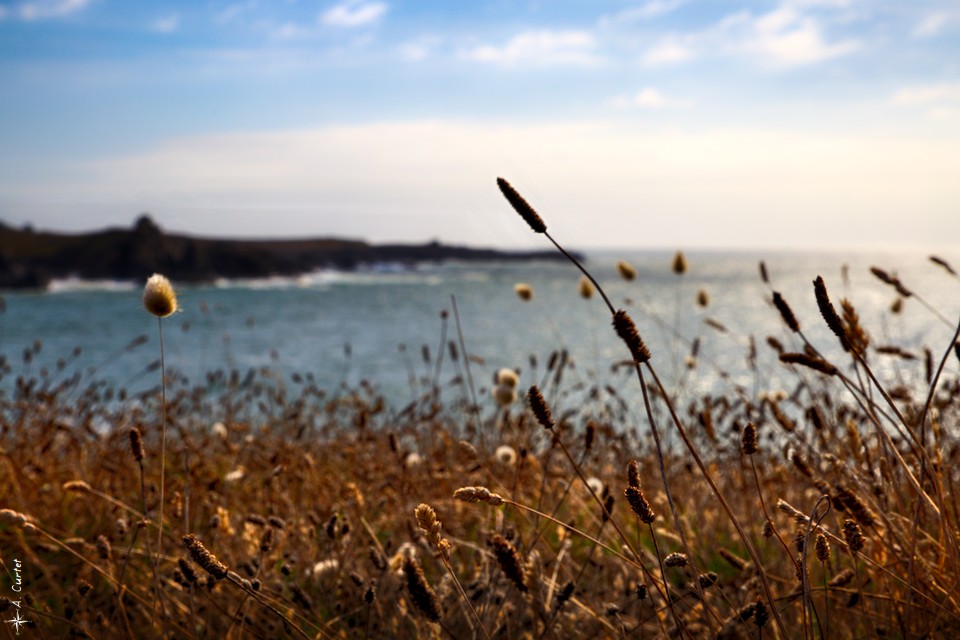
pixel 931 25
pixel 46 9
pixel 783 37
pixel 668 51
pixel 649 98
pixel 167 24
pixel 540 48
pixel 353 13
pixel 925 95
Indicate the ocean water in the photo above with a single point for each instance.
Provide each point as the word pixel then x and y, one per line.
pixel 375 325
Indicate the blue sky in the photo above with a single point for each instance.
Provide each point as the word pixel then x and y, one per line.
pixel 665 123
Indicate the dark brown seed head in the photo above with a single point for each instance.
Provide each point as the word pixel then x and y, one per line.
pixel 763 272
pixel 828 312
pixel 187 571
pixel 539 407
pixel 679 265
pixel 735 561
pixel 817 364
pixel 204 558
pixel 943 263
pixel 633 474
pixel 565 594
pixel 675 559
pixel 853 535
pixel 760 613
pixel 748 439
pixel 509 560
pixel 607 508
pixel 822 546
pixel 521 206
pixel 785 312
pixel 842 579
pixel 627 331
pixel 423 596
pixel 639 505
pixel 844 499
pixel 136 444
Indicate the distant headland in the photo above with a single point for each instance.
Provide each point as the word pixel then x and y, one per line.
pixel 30 259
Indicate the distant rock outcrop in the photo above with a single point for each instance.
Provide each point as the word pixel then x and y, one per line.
pixel 31 259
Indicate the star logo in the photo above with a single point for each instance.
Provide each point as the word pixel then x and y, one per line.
pixel 17 622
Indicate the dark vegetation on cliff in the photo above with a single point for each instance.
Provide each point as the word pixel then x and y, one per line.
pixel 30 259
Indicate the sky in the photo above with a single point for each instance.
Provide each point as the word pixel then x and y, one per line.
pixel 661 123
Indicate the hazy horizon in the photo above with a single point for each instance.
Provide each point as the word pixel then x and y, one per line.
pixel 660 124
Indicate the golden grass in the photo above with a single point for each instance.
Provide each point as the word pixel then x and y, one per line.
pixel 826 511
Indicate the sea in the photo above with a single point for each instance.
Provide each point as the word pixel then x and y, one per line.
pixel 395 329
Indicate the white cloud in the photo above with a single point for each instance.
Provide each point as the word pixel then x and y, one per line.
pixel 43 9
pixel 783 37
pixel 667 52
pixel 167 24
pixel 926 95
pixel 931 26
pixel 540 48
pixel 353 13
pixel 649 98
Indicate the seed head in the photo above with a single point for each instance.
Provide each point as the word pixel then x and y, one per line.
pixel 539 407
pixel 679 263
pixel 828 312
pixel 676 559
pixel 822 546
pixel 523 291
pixel 204 558
pixel 478 494
pixel 509 560
pixel 521 206
pixel 627 330
pixel 423 596
pixel 504 395
pixel 853 535
pixel 633 474
pixel 136 444
pixel 639 505
pixel 507 377
pixel 626 270
pixel 785 312
pixel 748 439
pixel 159 297
pixel 585 287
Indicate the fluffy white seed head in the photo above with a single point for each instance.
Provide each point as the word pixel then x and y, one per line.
pixel 159 298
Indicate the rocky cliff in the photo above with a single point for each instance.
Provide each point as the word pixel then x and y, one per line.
pixel 30 259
